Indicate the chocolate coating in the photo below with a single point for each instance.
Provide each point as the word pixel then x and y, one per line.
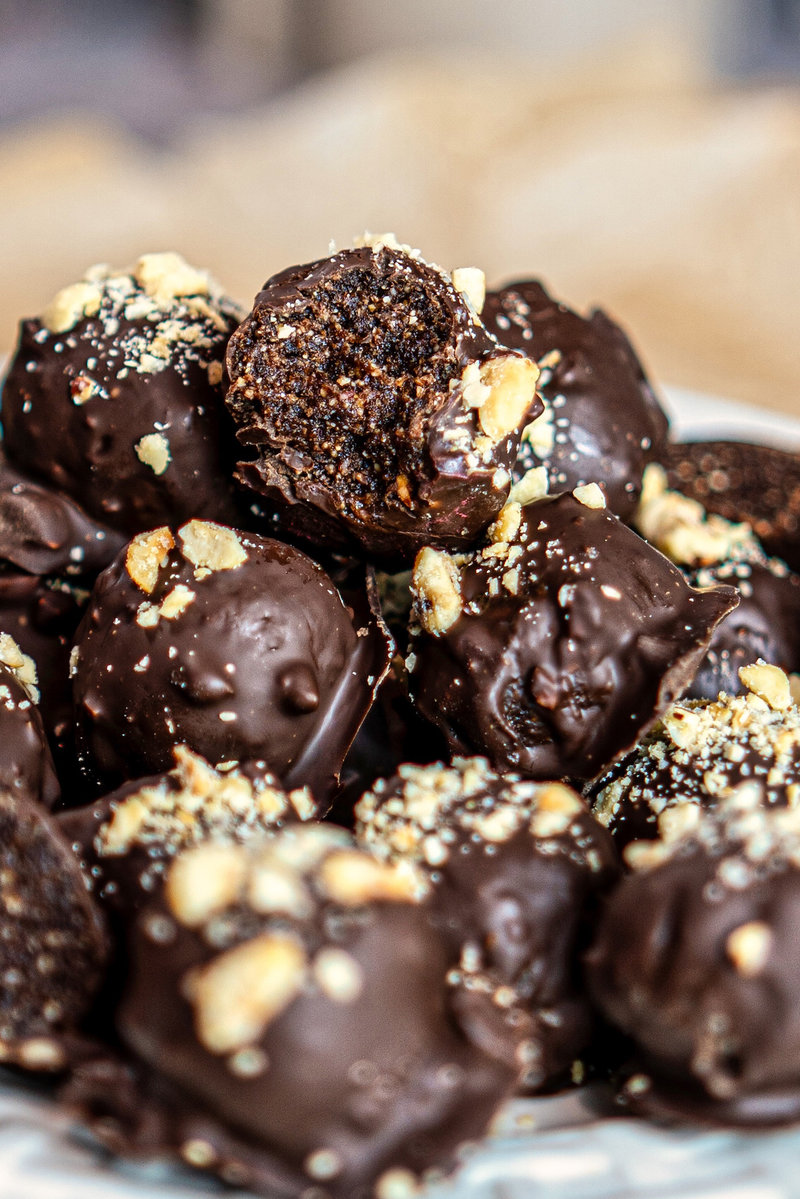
pixel 127 840
pixel 697 960
pixel 235 645
pixel 516 868
pixel 740 481
pixel 712 550
pixel 45 533
pixel 300 1015
pixel 26 765
pixel 382 414
pixel 557 645
pixel 603 422
pixel 765 624
pixel 700 752
pixel 52 939
pixel 115 396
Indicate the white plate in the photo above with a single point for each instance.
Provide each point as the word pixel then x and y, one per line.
pixel 553 1148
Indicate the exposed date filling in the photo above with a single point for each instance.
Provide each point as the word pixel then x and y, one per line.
pixel 349 378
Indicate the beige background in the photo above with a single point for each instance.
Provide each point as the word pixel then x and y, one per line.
pixel 625 181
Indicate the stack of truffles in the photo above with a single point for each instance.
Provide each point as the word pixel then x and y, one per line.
pixel 394 720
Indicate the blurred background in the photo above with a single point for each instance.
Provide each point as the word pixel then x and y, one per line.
pixel 640 155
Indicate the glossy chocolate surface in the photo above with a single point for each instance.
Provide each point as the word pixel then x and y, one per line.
pixel 568 637
pixel 344 1065
pixel 603 421
pixel 238 646
pixel 765 624
pixel 516 870
pixel 26 765
pixel 696 959
pixel 115 397
pixel 52 938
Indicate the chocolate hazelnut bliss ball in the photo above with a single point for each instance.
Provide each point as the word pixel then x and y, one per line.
pixel 115 395
pixel 382 415
pixel 233 644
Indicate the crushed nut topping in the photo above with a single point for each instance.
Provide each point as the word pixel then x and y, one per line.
pixel 191 804
pixel 436 587
pixel 590 495
pixel 21 665
pixel 702 749
pixel 145 556
pixel 238 995
pixel 153 450
pixel 682 529
pixel 425 813
pixel 211 547
pixel 748 947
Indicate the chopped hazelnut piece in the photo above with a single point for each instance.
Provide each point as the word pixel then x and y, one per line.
pixel 748 947
pixel 204 881
pixel 590 495
pixel 512 385
pixel 238 995
pixel 212 547
pixel 351 878
pixel 436 584
pixel 769 683
pixel 470 281
pixel 153 451
pixel 21 665
pixel 146 555
pixel 71 305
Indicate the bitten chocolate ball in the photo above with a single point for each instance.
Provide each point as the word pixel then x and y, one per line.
pixel 26 765
pixel 702 751
pixel 711 550
pixel 697 960
pixel 602 421
pixel 743 482
pixel 516 868
pixel 382 414
pixel 115 396
pixel 235 645
pixel 52 940
pixel 292 994
pixel 557 645
pixel 127 840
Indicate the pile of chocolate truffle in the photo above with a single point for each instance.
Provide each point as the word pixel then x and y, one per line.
pixel 394 720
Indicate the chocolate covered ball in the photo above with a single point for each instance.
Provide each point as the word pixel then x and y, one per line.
pixel 115 396
pixel 292 995
pixel 45 533
pixel 382 415
pixel 602 421
pixel 26 765
pixel 127 840
pixel 558 644
pixel 52 940
pixel 697 960
pixel 50 554
pixel 712 550
pixel 742 482
pixel 702 751
pixel 516 868
pixel 233 644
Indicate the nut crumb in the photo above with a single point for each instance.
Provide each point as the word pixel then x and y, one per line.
pixel 211 547
pixel 146 555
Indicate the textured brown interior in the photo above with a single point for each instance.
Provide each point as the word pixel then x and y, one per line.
pixel 369 355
